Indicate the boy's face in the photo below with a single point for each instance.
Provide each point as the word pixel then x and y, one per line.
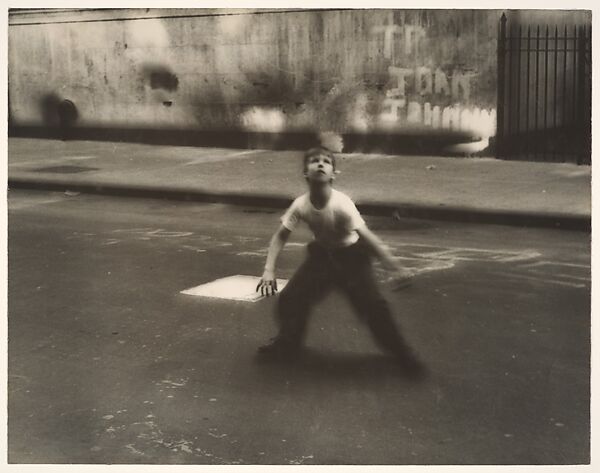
pixel 319 168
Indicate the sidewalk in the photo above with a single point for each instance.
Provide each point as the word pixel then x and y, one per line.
pixel 479 190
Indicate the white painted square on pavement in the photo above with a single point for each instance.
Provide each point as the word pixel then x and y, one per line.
pixel 236 288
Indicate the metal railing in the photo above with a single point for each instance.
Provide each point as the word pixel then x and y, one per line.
pixel 544 93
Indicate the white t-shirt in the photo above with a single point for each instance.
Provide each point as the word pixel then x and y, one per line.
pixel 334 225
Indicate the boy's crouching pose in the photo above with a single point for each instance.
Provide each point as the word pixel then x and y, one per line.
pixel 339 256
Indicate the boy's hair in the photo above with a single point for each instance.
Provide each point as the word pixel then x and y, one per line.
pixel 316 152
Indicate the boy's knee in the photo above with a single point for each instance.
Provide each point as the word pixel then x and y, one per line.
pixel 287 300
pixel 282 300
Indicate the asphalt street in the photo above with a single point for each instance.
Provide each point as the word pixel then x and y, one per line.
pixel 110 363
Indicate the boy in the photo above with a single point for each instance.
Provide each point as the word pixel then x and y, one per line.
pixel 337 257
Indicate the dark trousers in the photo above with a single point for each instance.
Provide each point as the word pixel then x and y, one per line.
pixel 350 270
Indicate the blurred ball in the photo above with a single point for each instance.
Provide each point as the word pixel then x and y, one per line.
pixel 332 141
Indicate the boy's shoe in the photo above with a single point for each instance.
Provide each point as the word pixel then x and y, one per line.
pixel 278 349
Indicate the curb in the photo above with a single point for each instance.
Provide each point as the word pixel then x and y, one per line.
pixel 423 212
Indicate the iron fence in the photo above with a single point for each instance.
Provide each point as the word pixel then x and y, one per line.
pixel 544 93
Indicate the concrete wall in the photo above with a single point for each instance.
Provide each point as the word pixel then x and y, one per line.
pixel 359 71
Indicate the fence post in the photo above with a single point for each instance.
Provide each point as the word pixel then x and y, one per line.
pixel 546 53
pixel 501 87
pixel 528 93
pixel 537 93
pixel 583 116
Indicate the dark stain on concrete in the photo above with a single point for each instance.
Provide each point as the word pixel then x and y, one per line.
pixel 164 80
pixel 161 77
pixel 67 113
pixel 56 111
pixel 66 169
pixel 48 105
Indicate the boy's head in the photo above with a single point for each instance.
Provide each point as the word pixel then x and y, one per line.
pixel 319 164
pixel 319 150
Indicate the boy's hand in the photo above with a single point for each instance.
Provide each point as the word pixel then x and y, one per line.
pixel 267 284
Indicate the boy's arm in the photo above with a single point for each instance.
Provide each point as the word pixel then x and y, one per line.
pixel 268 282
pixel 382 253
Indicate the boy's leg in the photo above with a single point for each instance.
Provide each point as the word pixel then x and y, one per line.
pixel 306 287
pixel 359 284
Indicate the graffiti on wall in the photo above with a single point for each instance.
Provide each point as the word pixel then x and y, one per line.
pixel 263 119
pixel 419 93
pixel 397 38
pixel 426 82
pixel 424 95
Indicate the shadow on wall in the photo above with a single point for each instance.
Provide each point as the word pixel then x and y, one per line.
pixel 59 114
pixel 415 143
pixel 161 77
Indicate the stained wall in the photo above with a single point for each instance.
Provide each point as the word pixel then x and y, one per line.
pixel 361 71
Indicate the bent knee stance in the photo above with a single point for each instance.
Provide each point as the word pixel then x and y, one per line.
pixel 290 302
pixel 292 315
pixel 376 312
pixel 370 303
